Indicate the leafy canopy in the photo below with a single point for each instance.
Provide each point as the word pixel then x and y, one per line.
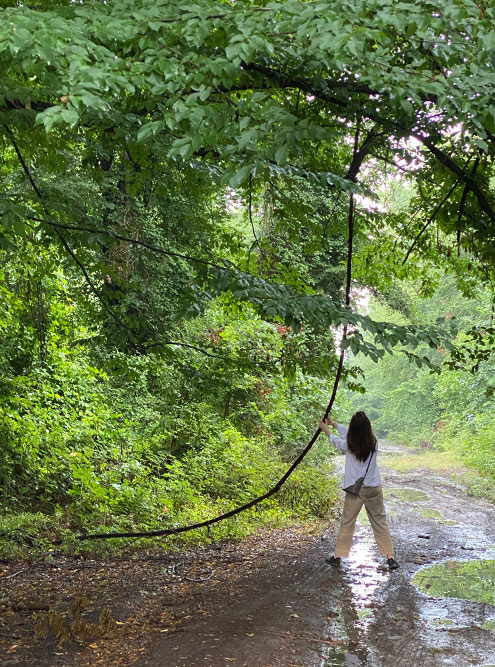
pixel 260 93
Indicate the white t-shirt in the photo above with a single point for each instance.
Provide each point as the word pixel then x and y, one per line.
pixel 354 469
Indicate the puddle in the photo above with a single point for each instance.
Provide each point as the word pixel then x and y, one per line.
pixel 429 514
pixel 365 576
pixel 344 659
pixel 445 622
pixel 363 579
pixel 469 580
pixel 406 494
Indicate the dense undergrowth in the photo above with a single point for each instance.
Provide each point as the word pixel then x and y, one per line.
pixel 93 441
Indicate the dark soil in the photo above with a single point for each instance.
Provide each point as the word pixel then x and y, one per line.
pixel 268 601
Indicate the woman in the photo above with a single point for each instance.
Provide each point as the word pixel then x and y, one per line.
pixel 360 446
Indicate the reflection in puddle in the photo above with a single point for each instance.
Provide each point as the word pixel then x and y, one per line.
pixel 363 613
pixel 445 622
pixel 469 580
pixel 344 659
pixel 429 514
pixel 362 577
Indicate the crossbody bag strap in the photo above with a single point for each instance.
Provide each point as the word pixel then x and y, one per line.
pixel 371 456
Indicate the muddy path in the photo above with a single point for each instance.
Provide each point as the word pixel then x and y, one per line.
pixel 273 601
pixel 296 610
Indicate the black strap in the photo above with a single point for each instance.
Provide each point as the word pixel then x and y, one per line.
pixel 371 456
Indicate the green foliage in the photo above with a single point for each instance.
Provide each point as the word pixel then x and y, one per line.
pixel 451 409
pixel 146 442
pixel 130 102
pixel 175 210
pixel 27 532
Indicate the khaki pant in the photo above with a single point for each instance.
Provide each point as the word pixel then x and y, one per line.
pixel 372 498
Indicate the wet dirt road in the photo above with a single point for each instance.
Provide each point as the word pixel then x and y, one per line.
pixel 289 608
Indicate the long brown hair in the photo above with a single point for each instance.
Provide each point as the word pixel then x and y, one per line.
pixel 360 437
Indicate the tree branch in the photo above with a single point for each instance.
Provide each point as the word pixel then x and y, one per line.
pixel 15 104
pixel 144 244
pixel 448 162
pixel 23 163
pixel 321 91
pixel 465 192
pixel 250 210
pixel 430 220
pixel 359 155
pixel 94 290
pixel 63 240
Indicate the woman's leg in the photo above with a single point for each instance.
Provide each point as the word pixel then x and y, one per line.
pixel 352 506
pixel 375 509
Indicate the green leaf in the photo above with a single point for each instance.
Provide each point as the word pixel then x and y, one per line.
pixel 49 117
pixel 232 51
pixel 149 130
pixel 240 176
pixel 70 116
pixel 481 143
pixel 205 93
pixel 281 154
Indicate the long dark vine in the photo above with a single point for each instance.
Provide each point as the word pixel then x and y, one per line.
pixel 302 455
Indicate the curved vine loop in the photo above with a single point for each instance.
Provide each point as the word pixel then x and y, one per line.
pixel 297 461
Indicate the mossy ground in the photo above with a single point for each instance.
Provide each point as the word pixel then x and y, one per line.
pixel 448 463
pixel 430 459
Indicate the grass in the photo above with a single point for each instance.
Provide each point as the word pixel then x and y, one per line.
pixel 429 459
pixel 478 485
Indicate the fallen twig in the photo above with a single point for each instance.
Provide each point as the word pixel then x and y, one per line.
pixel 10 576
